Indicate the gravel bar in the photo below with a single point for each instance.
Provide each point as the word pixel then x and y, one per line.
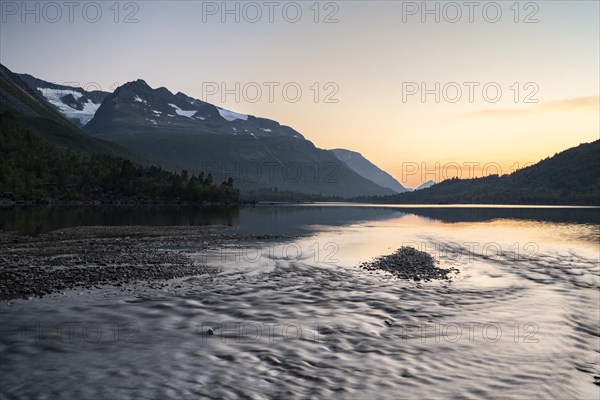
pixel 89 257
pixel 409 263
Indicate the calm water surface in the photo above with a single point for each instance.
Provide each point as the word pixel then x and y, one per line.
pixel 300 319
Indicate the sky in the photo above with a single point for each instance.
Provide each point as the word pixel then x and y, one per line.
pixel 425 90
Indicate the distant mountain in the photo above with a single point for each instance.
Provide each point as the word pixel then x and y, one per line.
pixel 426 185
pixel 568 178
pixel 76 104
pixel 33 112
pixel 368 170
pixel 200 137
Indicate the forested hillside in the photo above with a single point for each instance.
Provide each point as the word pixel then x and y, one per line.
pixel 32 168
pixel 568 178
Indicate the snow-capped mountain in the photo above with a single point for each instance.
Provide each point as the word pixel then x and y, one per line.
pixel 35 113
pixel 182 132
pixel 136 107
pixel 76 104
pixel 258 153
pixel 368 170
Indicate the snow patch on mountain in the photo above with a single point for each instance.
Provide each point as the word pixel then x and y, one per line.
pixel 183 113
pixel 231 116
pixel 54 97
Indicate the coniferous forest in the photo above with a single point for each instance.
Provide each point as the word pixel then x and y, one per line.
pixel 34 169
pixel 567 178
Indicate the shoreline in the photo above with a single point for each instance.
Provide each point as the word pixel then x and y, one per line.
pixel 33 203
pixel 11 203
pixel 93 256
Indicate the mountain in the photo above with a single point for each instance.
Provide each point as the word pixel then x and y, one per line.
pixel 76 104
pixel 46 158
pixel 200 137
pixel 568 178
pixel 368 170
pixel 137 108
pixel 426 185
pixel 33 112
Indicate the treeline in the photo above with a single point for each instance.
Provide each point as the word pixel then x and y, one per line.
pixel 32 168
pixel 568 178
pixel 275 195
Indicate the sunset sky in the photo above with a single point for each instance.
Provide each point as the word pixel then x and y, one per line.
pixel 370 57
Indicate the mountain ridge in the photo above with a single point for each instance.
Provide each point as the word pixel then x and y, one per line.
pixel 75 103
pixel 34 112
pixel 365 168
pixel 136 110
pixel 567 178
pixel 160 109
pixel 176 128
pixel 425 185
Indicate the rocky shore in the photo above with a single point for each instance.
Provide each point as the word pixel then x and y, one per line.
pixel 410 263
pixel 89 257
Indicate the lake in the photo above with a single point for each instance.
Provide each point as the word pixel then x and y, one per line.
pixel 300 318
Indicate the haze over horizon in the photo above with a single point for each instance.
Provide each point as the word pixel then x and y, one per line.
pixel 368 63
